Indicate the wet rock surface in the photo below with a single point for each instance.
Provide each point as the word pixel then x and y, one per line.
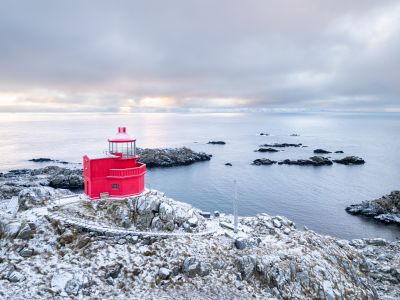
pixel 315 161
pixel 263 161
pixel 385 209
pixel 271 150
pixel 171 157
pixel 321 151
pixel 216 143
pixel 350 160
pixel 281 145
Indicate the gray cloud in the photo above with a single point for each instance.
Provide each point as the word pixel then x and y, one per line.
pixel 104 55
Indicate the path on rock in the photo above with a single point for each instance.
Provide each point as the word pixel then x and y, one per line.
pixel 103 228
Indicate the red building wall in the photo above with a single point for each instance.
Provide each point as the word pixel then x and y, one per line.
pixel 116 176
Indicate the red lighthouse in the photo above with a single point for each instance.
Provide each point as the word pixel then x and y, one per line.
pixel 117 173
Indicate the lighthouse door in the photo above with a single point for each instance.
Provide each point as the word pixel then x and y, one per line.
pixel 87 188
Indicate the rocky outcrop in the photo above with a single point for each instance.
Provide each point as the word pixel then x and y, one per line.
pixel 282 145
pixel 263 162
pixel 171 157
pixel 385 209
pixel 264 133
pixel 350 160
pixel 29 184
pixel 315 161
pixel 321 151
pixel 216 143
pixel 34 196
pixel 275 261
pixel 271 150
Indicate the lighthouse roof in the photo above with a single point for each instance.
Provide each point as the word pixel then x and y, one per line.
pixel 122 136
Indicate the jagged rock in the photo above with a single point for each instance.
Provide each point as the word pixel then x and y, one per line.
pixel 276 223
pixel 166 212
pixel 26 252
pixel 321 151
pixel 216 143
pixel 10 273
pixel 205 214
pixel 72 287
pixel 193 221
pixel 216 213
pixel 113 271
pixel 350 160
pixel 11 229
pixel 263 161
pixel 59 280
pixel 312 161
pixel 246 265
pixel 240 244
pixel 377 242
pixel 386 208
pixel 33 196
pixel 67 181
pixel 26 232
pixel 191 266
pixel 164 273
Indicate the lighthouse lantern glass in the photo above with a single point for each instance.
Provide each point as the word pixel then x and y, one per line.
pixel 126 149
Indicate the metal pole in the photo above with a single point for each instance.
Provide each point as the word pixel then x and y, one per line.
pixel 235 208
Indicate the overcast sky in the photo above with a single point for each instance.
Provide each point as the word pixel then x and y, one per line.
pixel 199 55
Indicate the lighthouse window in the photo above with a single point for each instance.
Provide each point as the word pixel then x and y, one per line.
pixel 115 186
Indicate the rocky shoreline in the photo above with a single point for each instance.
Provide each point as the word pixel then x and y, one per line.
pixel 385 209
pixel 315 161
pixel 201 258
pixel 40 183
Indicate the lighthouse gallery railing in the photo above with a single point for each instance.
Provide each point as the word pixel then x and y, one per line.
pixel 127 172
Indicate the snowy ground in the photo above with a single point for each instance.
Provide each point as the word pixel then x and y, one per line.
pixel 165 249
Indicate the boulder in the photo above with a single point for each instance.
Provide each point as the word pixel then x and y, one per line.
pixel 321 151
pixel 263 162
pixel 113 271
pixel 246 265
pixel 72 287
pixel 26 232
pixel 166 212
pixel 350 160
pixel 164 273
pixel 240 244
pixel 11 229
pixel 26 252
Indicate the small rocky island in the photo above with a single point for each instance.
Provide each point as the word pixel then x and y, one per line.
pixel 315 161
pixel 385 209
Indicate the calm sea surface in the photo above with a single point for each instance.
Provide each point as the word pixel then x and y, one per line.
pixel 315 197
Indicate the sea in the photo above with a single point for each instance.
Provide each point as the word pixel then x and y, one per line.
pixel 315 197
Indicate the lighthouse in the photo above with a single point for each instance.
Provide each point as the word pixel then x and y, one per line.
pixel 117 173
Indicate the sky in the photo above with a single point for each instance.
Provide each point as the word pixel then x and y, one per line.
pixel 195 56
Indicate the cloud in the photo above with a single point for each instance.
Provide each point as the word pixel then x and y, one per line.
pixel 187 55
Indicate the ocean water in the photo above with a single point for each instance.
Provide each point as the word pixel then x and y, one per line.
pixel 311 196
